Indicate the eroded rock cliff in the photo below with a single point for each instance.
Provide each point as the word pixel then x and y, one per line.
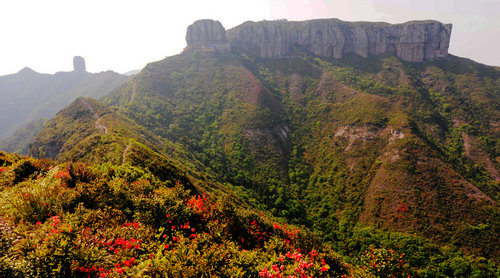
pixel 413 41
pixel 207 35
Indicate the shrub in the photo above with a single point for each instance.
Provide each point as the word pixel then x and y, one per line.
pixel 23 170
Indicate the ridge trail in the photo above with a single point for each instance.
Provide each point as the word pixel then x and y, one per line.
pixel 125 152
pixel 100 126
pixel 97 124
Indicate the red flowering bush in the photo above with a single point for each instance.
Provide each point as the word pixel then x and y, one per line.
pixel 384 263
pixel 76 221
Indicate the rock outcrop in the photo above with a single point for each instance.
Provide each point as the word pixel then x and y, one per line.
pixel 208 36
pixel 79 64
pixel 413 41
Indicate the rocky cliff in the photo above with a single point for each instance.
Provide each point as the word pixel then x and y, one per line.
pixel 79 64
pixel 413 41
pixel 208 36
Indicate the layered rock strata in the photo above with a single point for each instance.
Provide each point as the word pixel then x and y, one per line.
pixel 413 41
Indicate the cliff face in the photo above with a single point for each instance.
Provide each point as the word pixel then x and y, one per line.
pixel 207 35
pixel 413 41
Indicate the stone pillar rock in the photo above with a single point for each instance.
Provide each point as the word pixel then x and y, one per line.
pixel 79 64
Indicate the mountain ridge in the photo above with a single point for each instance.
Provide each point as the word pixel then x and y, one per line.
pixel 413 41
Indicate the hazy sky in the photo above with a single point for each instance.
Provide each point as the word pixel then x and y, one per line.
pixel 123 35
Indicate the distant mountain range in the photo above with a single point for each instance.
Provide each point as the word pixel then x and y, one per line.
pixel 29 97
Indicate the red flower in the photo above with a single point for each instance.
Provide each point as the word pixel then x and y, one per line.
pixel 264 272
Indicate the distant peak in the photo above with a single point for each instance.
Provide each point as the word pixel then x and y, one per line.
pixel 27 70
pixel 79 64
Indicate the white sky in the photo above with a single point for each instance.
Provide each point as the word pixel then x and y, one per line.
pixel 124 35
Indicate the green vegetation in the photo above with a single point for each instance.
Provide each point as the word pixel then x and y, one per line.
pixel 22 137
pixel 61 220
pixel 376 156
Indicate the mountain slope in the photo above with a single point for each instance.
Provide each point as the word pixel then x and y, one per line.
pixel 23 91
pixel 361 150
pixel 355 140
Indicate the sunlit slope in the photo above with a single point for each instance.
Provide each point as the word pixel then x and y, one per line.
pixel 332 144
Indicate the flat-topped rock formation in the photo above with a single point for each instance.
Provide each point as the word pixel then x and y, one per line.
pixel 207 35
pixel 413 41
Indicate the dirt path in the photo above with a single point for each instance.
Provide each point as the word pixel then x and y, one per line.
pixel 125 153
pixel 98 125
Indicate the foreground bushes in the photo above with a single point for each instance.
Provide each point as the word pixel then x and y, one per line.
pixel 75 220
pixel 72 220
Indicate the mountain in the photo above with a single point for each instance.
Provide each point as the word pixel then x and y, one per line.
pixel 29 96
pixel 366 133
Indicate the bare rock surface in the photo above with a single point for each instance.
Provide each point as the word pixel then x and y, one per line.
pixel 413 41
pixel 207 35
pixel 79 64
